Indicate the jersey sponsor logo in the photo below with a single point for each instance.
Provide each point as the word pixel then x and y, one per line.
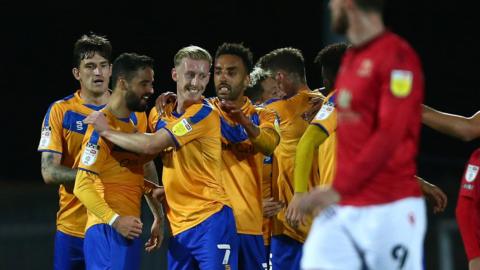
pixel 365 68
pixel 181 128
pixel 45 138
pixel 471 173
pixel 79 125
pixel 90 154
pixel 325 111
pixel 401 82
pixel 344 98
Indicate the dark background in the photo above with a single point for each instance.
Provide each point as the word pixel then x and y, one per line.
pixel 37 40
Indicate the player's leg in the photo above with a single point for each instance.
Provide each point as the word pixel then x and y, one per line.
pixel 400 233
pixel 286 252
pixel 125 253
pixel 330 245
pixel 68 253
pixel 251 254
pixel 218 245
pixel 179 256
pixel 96 248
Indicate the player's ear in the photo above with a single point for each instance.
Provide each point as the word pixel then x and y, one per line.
pixel 174 74
pixel 76 73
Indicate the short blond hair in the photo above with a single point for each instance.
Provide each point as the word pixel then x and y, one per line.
pixel 192 52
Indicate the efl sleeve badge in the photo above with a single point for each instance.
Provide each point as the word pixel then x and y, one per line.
pixel 401 82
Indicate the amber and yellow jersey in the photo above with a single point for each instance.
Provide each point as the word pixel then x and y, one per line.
pixel 62 133
pixel 267 193
pixel 192 171
pixel 243 165
pixel 110 179
pixel 326 119
pixel 292 126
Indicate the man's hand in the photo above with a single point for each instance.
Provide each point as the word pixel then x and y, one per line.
pixel 98 120
pixel 234 112
pixel 129 227
pixel 317 200
pixel 271 207
pixel 162 101
pixel 434 195
pixel 156 236
pixel 317 103
pixel 293 215
pixel 158 194
pixel 474 264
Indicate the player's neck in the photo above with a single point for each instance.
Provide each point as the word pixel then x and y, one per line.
pixel 364 28
pixel 117 105
pixel 94 98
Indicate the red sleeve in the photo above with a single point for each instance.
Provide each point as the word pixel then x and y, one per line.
pixel 467 219
pixel 397 110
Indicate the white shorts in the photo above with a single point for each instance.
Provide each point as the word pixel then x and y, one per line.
pixel 386 236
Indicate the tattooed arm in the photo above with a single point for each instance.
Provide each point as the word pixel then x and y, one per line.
pixel 55 173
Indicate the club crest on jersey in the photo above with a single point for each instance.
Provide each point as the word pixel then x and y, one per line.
pixel 181 128
pixel 365 68
pixel 45 138
pixel 344 98
pixel 471 173
pixel 401 82
pixel 325 111
pixel 90 154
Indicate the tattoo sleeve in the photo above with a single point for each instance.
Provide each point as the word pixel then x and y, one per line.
pixel 55 173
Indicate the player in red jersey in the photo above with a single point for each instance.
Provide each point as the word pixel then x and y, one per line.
pixel 373 217
pixel 467 211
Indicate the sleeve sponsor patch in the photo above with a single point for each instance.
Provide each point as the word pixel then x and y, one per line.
pixel 90 154
pixel 325 111
pixel 471 173
pixel 401 82
pixel 45 137
pixel 181 128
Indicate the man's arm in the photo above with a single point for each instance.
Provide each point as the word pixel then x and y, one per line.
pixel 55 173
pixel 157 229
pixel 464 128
pixel 433 194
pixel 467 220
pixel 143 143
pixel 264 139
pixel 310 141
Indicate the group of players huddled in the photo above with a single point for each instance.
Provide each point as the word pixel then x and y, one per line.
pixel 267 174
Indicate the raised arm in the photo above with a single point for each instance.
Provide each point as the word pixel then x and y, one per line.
pixel 143 143
pixel 464 128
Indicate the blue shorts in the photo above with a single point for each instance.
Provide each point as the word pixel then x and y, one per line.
pixel 251 254
pixel 268 257
pixel 286 253
pixel 68 253
pixel 105 248
pixel 212 244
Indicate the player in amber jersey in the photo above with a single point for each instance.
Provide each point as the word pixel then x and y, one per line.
pixel 248 134
pixel 61 139
pixel 287 67
pixel 202 222
pixel 380 89
pixel 262 89
pixel 110 181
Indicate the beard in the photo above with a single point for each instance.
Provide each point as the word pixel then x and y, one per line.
pixel 340 24
pixel 134 102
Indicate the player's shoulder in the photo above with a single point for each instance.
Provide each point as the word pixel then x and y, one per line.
pixel 397 46
pixel 65 102
pixel 273 102
pixel 201 111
